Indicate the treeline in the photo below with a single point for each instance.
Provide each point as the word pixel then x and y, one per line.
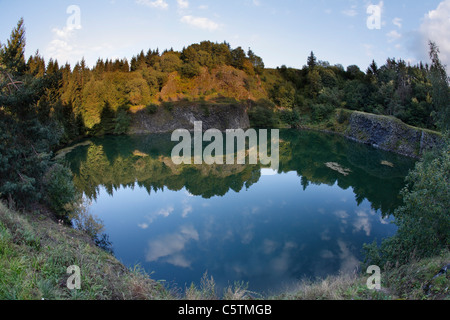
pixel 418 95
pixel 119 85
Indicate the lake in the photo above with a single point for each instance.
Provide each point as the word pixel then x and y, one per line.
pixel 241 223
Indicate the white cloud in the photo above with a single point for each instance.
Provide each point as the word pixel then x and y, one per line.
pixel 350 12
pixel 369 49
pixel 160 4
pixel 200 22
pixel 397 22
pixel 63 46
pixel 436 27
pixel 183 4
pixel 393 36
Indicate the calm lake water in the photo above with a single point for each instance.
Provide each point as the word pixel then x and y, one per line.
pixel 241 222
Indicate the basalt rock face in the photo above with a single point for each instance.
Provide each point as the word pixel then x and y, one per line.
pixel 390 134
pixel 168 119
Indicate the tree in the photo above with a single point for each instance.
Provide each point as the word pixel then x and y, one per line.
pixel 238 58
pixel 315 82
pixel 12 55
pixel 312 61
pixel 256 61
pixel 27 133
pixel 36 65
pixel 441 91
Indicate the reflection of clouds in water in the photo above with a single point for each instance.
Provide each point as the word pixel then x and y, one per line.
pixel 187 208
pixel 164 212
pixel 325 235
pixel 170 247
pixel 348 261
pixel 342 214
pixel 326 254
pixel 187 193
pixel 270 260
pixel 247 237
pixel 281 263
pixel 269 246
pixel 362 222
pixel 251 210
pixel 143 226
pixel 384 220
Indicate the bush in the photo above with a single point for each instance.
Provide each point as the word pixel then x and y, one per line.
pixel 290 117
pixel 262 117
pixel 60 190
pixel 190 70
pixel 343 116
pixel 321 112
pixel 151 109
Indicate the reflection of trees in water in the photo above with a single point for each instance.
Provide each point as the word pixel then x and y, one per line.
pixel 114 162
pixel 156 173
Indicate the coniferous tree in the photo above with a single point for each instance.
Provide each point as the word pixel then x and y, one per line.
pixel 312 61
pixel 36 65
pixel 441 91
pixel 12 55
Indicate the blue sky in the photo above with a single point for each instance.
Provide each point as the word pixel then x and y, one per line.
pixel 281 32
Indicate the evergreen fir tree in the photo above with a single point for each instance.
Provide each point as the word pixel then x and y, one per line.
pixel 312 61
pixel 12 55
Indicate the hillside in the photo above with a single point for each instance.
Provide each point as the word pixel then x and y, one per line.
pixel 102 99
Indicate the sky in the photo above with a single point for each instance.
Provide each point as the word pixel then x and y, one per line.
pixel 282 32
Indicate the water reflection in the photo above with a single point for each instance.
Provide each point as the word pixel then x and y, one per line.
pixel 241 222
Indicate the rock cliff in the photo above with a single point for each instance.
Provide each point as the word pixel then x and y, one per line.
pixel 391 134
pixel 168 118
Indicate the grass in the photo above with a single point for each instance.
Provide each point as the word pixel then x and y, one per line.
pixel 35 252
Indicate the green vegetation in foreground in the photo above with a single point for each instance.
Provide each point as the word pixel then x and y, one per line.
pixel 35 252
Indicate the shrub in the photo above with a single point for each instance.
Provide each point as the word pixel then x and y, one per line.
pixel 343 116
pixel 151 109
pixel 190 70
pixel 262 117
pixel 60 190
pixel 290 117
pixel 321 112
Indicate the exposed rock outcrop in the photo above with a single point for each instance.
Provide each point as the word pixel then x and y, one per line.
pixel 391 134
pixel 169 118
